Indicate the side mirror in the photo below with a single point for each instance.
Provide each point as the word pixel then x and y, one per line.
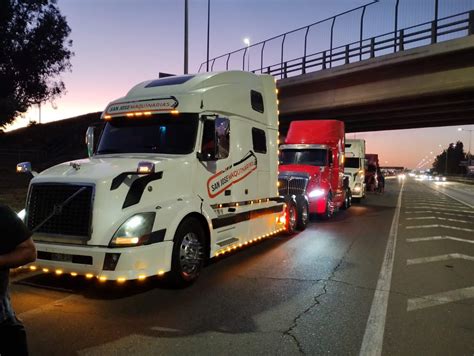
pixel 25 167
pixel 215 140
pixel 208 146
pixel 90 140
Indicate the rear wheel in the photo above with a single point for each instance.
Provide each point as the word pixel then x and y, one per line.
pixel 302 212
pixel 188 253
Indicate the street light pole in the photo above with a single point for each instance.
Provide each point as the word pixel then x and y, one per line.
pixel 469 151
pixel 185 36
pixel 247 42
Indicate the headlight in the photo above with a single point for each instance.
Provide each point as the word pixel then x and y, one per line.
pixel 316 193
pixel 135 231
pixel 22 215
pixel 357 188
pixel 443 179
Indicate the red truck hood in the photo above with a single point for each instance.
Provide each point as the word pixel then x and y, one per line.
pixel 311 170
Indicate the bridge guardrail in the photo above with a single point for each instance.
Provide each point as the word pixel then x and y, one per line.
pixel 430 32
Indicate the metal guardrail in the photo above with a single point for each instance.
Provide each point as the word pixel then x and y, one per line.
pixel 454 26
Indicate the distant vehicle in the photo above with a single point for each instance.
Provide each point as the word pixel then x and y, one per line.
pixel 354 167
pixel 314 150
pixel 371 180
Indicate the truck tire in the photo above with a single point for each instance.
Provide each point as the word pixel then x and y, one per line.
pixel 291 216
pixel 188 253
pixel 347 200
pixel 302 212
pixel 328 213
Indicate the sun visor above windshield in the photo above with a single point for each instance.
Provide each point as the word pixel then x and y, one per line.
pixel 146 107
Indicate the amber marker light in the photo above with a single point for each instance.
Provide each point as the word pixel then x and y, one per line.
pixel 45 270
pixel 89 275
pixel 141 277
pixel 174 112
pixel 107 117
pixel 102 278
pixel 59 272
pixel 73 274
pixel 33 268
pixel 121 280
pixel 130 114
pixel 147 113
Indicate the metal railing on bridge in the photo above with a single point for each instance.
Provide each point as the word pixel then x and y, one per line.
pixel 430 32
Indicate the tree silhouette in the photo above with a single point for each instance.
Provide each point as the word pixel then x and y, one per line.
pixel 455 154
pixel 34 50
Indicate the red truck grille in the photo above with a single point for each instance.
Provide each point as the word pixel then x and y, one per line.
pixel 292 185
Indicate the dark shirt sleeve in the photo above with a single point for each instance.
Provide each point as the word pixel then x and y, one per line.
pixel 12 230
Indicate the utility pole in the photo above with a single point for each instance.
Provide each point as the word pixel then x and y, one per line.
pixel 185 36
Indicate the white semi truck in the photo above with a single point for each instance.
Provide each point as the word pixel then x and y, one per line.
pixel 186 169
pixel 354 167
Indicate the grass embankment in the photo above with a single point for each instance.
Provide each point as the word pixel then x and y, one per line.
pixel 44 146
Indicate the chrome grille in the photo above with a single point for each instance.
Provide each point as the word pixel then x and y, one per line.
pixel 74 219
pixel 289 185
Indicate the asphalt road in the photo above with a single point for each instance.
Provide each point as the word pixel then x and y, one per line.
pixel 393 274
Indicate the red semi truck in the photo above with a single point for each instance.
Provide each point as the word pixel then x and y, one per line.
pixel 312 166
pixel 371 178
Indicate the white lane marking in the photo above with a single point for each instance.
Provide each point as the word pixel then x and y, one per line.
pixel 440 298
pixel 422 218
pixel 449 195
pixel 47 307
pixel 440 203
pixel 373 336
pixel 438 212
pixel 439 218
pixel 431 207
pixel 434 238
pixel 450 256
pixel 439 226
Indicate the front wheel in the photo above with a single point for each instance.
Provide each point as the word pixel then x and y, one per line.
pixel 302 212
pixel 188 253
pixel 329 211
pixel 347 200
pixel 291 216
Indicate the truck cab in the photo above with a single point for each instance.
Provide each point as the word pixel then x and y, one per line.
pixel 185 169
pixel 354 167
pixel 312 162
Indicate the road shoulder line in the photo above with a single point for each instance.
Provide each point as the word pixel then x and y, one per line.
pixel 372 342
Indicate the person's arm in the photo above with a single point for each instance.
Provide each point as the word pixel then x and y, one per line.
pixel 22 254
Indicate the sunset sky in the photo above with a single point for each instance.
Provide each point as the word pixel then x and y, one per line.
pixel 118 43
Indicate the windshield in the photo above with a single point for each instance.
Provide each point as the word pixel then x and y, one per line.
pixel 162 133
pixel 312 157
pixel 352 162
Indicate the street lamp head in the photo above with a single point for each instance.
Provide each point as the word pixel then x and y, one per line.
pixel 247 41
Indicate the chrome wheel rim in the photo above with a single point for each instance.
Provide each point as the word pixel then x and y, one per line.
pixel 292 218
pixel 304 214
pixel 190 254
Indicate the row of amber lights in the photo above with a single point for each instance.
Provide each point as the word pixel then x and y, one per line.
pixel 140 113
pixel 257 201
pixel 246 243
pixel 59 272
